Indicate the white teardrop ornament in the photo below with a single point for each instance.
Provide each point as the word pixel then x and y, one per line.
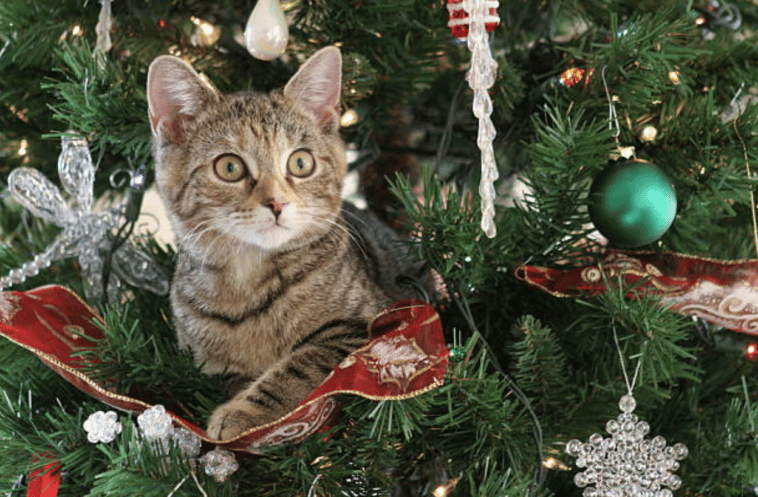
pixel 266 32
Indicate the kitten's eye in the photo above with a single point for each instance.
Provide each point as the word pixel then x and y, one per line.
pixel 229 167
pixel 301 163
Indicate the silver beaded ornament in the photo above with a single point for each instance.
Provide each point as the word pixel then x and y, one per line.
pixel 86 235
pixel 627 464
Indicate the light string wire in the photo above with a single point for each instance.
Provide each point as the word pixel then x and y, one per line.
pixel 463 307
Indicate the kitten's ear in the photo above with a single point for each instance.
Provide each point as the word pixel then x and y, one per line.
pixel 316 85
pixel 175 95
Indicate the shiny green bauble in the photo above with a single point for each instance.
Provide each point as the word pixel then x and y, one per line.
pixel 632 203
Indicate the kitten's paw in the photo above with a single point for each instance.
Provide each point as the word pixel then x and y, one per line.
pixel 233 418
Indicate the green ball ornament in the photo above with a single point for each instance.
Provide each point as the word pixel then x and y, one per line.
pixel 632 203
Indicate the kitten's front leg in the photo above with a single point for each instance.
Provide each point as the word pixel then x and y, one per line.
pixel 279 390
pixel 269 398
pixel 235 417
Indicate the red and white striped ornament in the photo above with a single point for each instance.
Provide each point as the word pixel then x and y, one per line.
pixel 458 20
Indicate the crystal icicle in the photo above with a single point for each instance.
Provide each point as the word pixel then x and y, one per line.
pixel 481 77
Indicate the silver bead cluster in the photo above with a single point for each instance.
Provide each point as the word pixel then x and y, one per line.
pixel 102 427
pixel 219 463
pixel 156 426
pixel 627 464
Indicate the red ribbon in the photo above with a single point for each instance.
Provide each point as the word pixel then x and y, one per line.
pixel 44 482
pixel 723 292
pixel 406 356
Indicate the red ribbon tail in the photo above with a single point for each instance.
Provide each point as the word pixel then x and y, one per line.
pixel 45 482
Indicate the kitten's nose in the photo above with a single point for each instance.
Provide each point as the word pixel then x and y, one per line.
pixel 275 206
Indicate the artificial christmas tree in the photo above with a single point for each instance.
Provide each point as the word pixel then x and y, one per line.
pixel 544 316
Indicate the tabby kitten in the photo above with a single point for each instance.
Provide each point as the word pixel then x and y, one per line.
pixel 272 283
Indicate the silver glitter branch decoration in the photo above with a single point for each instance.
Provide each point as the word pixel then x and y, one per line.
pixel 481 77
pixel 86 235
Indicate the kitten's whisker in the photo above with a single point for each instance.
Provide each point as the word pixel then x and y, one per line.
pixel 348 230
pixel 319 221
pixel 192 238
pixel 346 212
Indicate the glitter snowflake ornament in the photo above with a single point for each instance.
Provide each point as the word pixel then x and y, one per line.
pixel 627 464
pixel 102 427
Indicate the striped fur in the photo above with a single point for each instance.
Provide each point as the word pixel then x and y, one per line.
pixel 275 282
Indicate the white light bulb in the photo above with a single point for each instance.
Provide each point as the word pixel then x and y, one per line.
pixel 266 32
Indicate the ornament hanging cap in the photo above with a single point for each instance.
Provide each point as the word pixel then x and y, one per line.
pixel 458 18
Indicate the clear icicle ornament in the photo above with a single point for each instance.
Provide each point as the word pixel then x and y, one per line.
pixel 266 32
pixel 627 464
pixel 481 76
pixel 103 30
pixel 86 235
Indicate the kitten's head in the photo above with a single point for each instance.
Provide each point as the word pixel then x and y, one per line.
pixel 260 169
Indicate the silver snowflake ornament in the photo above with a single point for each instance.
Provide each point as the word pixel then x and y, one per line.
pixel 627 464
pixel 86 234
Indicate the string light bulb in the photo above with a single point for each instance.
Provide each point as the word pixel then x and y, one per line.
pixel 751 351
pixel 348 118
pixel 553 463
pixel 206 34
pixel 571 76
pixel 648 133
pixel 75 30
pixel 445 489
